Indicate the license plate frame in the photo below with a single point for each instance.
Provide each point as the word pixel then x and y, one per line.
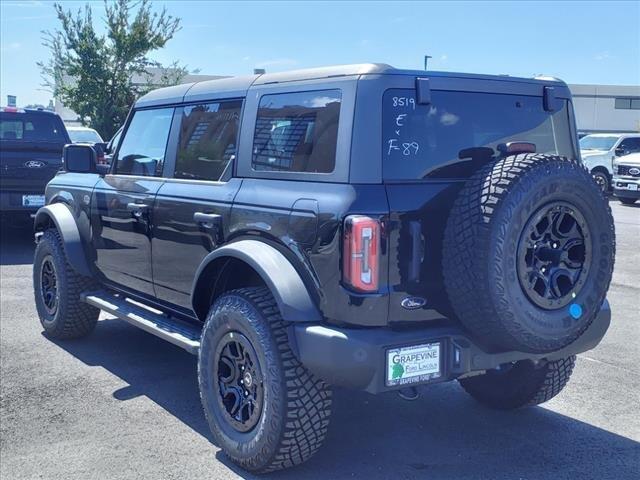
pixel 410 364
pixel 632 187
pixel 33 200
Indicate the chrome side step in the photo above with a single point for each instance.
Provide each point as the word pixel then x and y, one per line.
pixel 179 333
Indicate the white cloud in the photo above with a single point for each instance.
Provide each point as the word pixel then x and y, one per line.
pixel 11 46
pixel 30 4
pixel 319 101
pixel 602 56
pixel 23 18
pixel 278 62
pixel 443 57
pixel 447 119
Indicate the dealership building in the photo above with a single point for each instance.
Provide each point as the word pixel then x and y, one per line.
pixel 606 108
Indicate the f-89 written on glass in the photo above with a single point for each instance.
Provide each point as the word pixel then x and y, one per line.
pixel 407 148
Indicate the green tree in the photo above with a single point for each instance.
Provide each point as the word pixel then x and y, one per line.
pixel 99 76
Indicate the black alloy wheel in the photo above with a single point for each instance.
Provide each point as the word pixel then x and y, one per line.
pixel 554 254
pixel 49 285
pixel 240 382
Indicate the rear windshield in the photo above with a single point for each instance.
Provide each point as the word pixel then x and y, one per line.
pixel 84 136
pixel 442 140
pixel 29 127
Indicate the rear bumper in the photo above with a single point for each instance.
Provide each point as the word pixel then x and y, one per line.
pixel 356 358
pixel 11 201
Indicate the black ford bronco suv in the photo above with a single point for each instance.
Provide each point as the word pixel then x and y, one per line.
pixel 356 226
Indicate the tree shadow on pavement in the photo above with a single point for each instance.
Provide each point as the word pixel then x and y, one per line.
pixel 444 434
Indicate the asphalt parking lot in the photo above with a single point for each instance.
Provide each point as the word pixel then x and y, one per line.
pixel 123 404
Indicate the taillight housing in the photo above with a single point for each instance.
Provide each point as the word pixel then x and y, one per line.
pixel 361 253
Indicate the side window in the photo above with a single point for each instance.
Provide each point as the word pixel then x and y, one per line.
pixel 297 132
pixel 144 144
pixel 208 137
pixel 630 145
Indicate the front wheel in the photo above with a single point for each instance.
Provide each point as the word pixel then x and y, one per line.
pixel 57 288
pixel 520 384
pixel 602 180
pixel 265 410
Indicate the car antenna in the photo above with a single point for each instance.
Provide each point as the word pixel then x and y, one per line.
pixel 426 60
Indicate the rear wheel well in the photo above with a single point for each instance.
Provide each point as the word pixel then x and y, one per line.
pixel 222 275
pixel 44 223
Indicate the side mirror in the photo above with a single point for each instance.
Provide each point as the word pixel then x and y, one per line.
pixel 103 169
pixel 79 158
pixel 620 152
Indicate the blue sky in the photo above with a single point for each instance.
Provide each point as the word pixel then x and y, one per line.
pixel 580 42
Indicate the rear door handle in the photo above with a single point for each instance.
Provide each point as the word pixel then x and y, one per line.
pixel 207 220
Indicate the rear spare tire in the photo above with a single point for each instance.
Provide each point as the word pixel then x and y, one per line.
pixel 528 253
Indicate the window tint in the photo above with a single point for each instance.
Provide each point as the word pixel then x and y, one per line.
pixel 630 145
pixel 297 132
pixel 208 136
pixel 145 142
pixel 446 138
pixel 28 127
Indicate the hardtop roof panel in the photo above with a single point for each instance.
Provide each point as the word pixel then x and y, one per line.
pixel 230 87
pixel 233 87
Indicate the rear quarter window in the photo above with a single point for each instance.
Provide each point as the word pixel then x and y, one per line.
pixel 31 127
pixel 297 132
pixel 434 141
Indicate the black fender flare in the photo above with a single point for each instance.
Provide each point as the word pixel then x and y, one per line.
pixel 282 279
pixel 63 219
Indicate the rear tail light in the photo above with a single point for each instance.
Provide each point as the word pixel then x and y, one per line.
pixel 361 253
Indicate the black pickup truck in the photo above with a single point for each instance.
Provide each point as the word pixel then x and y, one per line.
pixel 31 143
pixel 357 226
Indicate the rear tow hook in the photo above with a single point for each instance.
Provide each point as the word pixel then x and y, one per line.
pixel 409 393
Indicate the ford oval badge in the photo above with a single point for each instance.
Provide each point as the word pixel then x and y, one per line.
pixel 34 164
pixel 413 303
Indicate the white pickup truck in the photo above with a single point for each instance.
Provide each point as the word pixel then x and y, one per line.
pixel 626 178
pixel 598 151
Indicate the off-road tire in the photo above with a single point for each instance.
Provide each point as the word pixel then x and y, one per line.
pixel 627 201
pixel 296 406
pixel 520 385
pixel 480 254
pixel 72 318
